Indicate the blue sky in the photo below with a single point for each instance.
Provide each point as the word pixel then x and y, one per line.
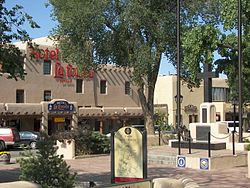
pixel 41 14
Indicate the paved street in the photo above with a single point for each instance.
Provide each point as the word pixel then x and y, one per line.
pixel 97 169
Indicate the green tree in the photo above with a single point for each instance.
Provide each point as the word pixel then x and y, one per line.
pixel 11 24
pixel 216 32
pixel 133 34
pixel 130 33
pixel 45 167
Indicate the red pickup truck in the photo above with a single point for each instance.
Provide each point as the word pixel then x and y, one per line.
pixel 8 137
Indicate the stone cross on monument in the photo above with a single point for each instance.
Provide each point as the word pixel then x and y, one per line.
pixel 207 76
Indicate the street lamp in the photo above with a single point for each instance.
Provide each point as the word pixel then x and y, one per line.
pixel 178 100
pixel 234 103
pixel 177 110
pixel 240 67
pixel 181 98
pixel 178 94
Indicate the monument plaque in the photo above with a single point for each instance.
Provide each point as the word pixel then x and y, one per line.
pixel 202 133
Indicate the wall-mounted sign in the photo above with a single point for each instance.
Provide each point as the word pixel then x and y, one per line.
pixel 190 109
pixel 64 72
pixel 70 72
pixel 59 120
pixel 60 106
pixel 46 54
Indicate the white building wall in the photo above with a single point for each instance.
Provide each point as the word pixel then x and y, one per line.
pixel 165 91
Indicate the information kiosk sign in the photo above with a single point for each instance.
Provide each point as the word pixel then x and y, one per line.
pixel 128 155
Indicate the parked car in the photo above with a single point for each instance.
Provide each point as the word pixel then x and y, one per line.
pixel 29 138
pixel 9 137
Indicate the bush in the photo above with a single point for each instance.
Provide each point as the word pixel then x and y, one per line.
pixel 92 142
pixel 248 147
pixel 86 141
pixel 99 143
pixel 45 167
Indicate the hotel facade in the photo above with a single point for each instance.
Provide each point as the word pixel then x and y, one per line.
pixel 56 96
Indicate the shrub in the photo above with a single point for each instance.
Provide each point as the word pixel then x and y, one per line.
pixel 45 167
pixel 91 142
pixel 86 141
pixel 99 143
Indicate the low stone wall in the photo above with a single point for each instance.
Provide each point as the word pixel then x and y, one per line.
pixel 19 184
pixel 66 148
pixel 174 183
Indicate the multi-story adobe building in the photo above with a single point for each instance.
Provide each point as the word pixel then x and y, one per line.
pixel 165 92
pixel 55 95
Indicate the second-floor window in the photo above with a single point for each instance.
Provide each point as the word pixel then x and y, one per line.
pixel 19 96
pixel 47 67
pixel 127 88
pixel 220 94
pixel 79 86
pixel 47 95
pixel 103 87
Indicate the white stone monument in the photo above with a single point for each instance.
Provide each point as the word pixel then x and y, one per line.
pixel 199 131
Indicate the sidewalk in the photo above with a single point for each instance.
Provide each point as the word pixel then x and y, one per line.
pixel 97 169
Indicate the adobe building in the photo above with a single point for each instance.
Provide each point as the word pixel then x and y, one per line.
pixel 56 96
pixel 165 92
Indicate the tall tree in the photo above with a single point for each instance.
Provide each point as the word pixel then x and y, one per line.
pixel 216 34
pixel 131 33
pixel 11 22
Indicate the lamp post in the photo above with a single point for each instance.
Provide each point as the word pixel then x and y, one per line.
pixel 234 102
pixel 178 110
pixel 178 101
pixel 240 68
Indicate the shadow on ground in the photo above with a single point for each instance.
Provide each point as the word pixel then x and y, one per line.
pixel 9 175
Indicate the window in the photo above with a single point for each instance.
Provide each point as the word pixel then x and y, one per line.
pixel 193 118
pixel 47 95
pixel 19 96
pixel 127 88
pixel 79 86
pixel 47 67
pixel 103 87
pixel 220 94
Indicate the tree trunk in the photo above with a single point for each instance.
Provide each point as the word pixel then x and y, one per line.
pixel 149 123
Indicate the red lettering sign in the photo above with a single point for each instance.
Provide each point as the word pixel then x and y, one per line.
pixel 59 70
pixel 71 71
pixel 46 54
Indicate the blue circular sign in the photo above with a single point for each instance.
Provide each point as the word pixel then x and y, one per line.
pixel 181 162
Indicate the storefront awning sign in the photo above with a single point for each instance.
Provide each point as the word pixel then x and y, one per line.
pixel 60 106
